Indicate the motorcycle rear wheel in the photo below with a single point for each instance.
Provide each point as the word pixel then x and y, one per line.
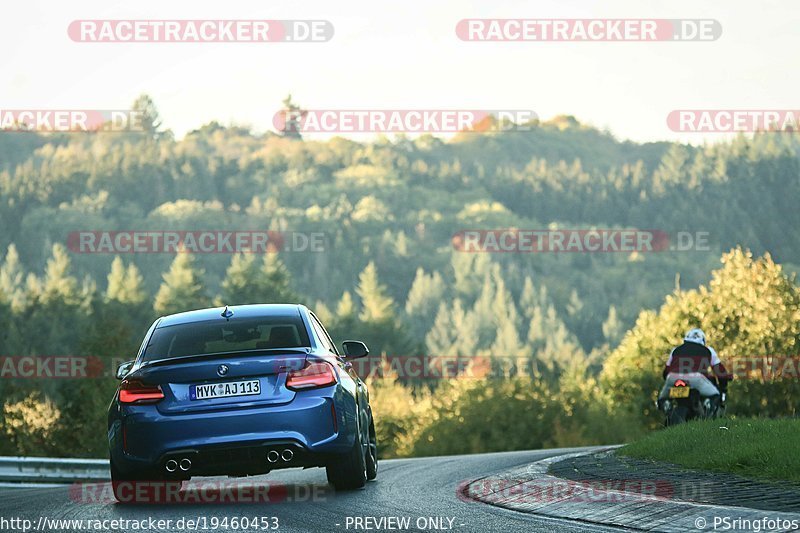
pixel 676 416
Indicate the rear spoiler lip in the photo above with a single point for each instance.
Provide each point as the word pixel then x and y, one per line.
pixel 224 355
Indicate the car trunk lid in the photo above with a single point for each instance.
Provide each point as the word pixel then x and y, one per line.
pixel 223 381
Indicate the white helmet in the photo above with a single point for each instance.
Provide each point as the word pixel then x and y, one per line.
pixel 695 335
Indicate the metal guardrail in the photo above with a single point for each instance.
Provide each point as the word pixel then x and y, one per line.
pixel 52 470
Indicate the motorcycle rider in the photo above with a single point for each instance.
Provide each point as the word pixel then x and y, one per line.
pixel 695 356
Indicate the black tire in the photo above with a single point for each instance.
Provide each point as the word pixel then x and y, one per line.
pixel 715 407
pixel 349 470
pixel 372 452
pixel 676 416
pixel 156 489
pixel 122 485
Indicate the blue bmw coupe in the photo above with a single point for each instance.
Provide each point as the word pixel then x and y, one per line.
pixel 239 391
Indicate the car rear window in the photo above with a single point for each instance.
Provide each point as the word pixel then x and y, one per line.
pixel 221 336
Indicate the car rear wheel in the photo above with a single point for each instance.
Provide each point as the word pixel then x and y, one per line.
pixel 142 487
pixel 372 452
pixel 349 471
pixel 122 484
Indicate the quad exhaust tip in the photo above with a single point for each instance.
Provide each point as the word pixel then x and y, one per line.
pixel 287 455
pixel 273 456
pixel 186 464
pixel 172 465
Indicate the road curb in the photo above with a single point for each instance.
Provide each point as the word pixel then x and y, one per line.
pixel 530 489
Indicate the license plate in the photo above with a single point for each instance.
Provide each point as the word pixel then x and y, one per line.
pixel 225 390
pixel 679 392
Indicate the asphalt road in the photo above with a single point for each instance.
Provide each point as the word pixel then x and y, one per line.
pixel 423 491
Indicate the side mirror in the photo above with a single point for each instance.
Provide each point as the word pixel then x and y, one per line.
pixel 124 369
pixel 354 349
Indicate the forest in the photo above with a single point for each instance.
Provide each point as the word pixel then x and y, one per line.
pixel 587 332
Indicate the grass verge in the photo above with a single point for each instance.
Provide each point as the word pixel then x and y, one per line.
pixel 756 448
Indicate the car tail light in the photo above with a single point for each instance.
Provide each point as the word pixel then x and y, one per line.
pixel 313 375
pixel 133 391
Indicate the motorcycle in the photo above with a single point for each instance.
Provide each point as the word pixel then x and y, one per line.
pixel 689 397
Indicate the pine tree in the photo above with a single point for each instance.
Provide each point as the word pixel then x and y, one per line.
pixel 376 304
pixel 507 342
pixel 59 310
pixel 292 115
pixel 465 325
pixel 241 281
pixel 182 289
pixel 12 281
pixel 579 320
pixel 527 299
pixel 247 283
pixel 379 326
pixel 344 320
pixel 575 305
pixel 530 298
pixel 613 328
pixel 58 283
pixel 507 349
pixel 484 313
pixel 150 118
pixel 552 345
pixel 441 339
pixel 509 355
pixel 125 285
pixel 423 298
pixel 116 280
pixel 324 313
pixel 274 282
pixel 469 270
pixel 504 310
pixel 345 308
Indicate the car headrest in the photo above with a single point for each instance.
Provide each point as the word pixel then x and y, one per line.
pixel 280 337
